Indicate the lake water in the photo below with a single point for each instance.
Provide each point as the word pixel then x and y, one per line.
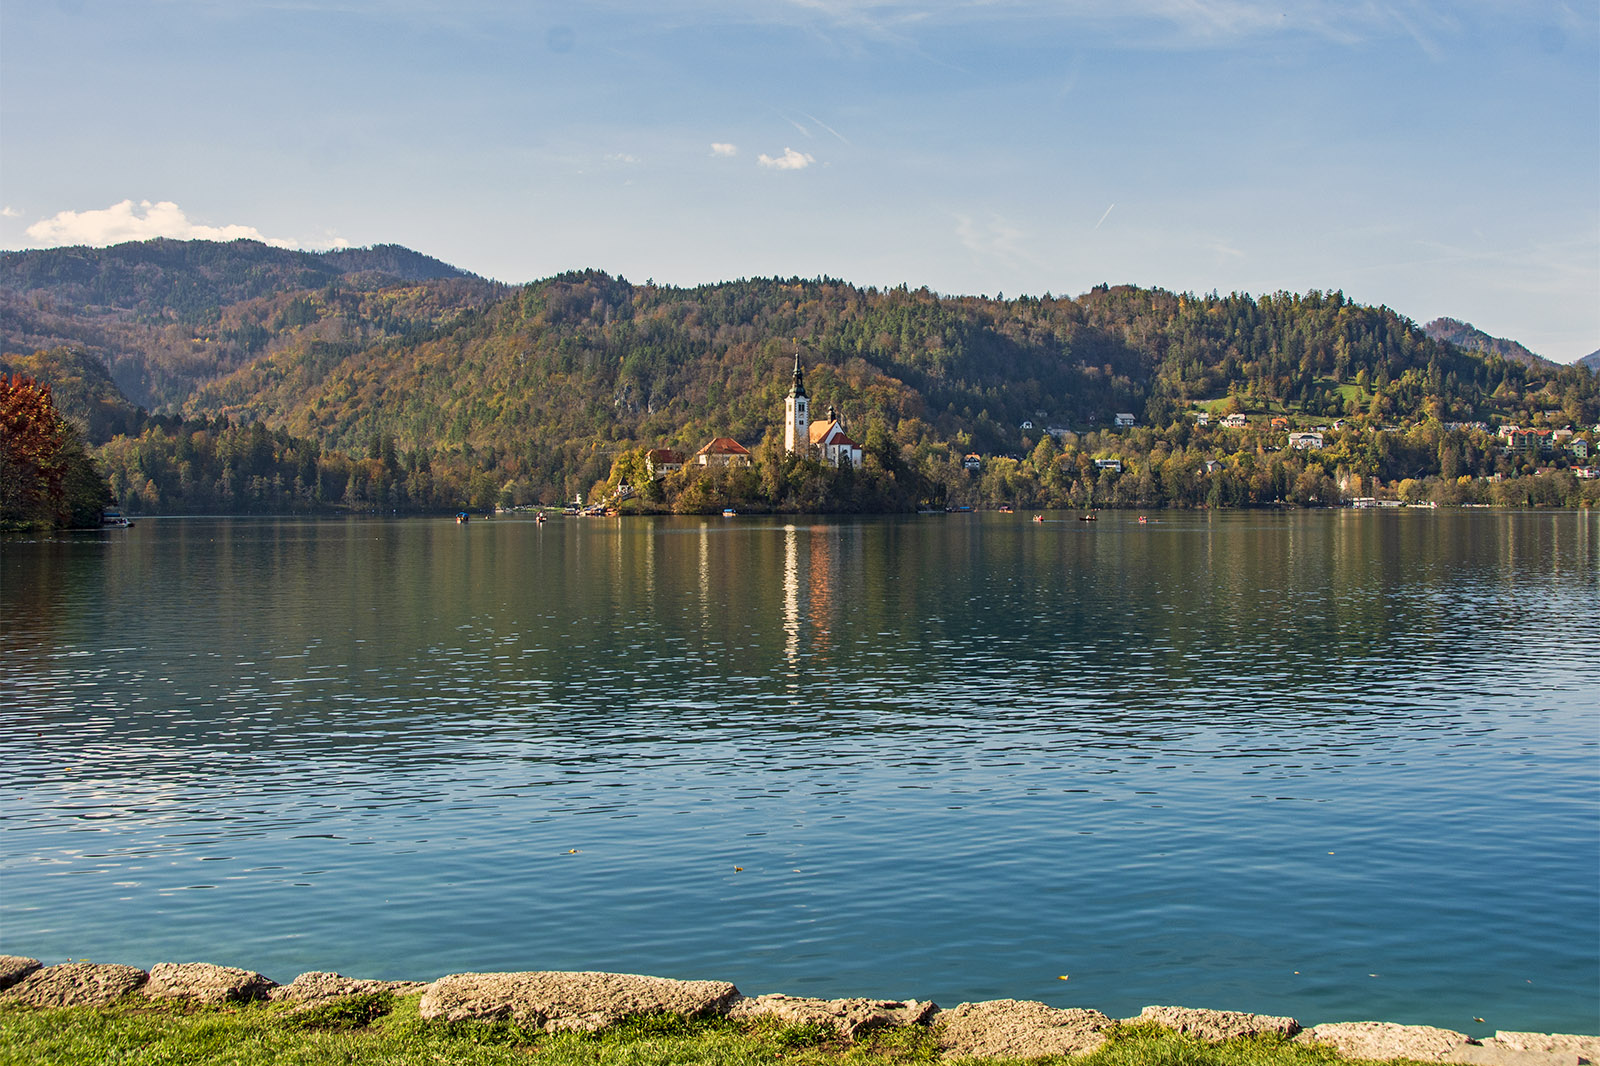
pixel 1333 765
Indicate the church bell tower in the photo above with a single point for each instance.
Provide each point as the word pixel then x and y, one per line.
pixel 797 414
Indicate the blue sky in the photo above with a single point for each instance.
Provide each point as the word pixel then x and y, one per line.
pixel 1443 159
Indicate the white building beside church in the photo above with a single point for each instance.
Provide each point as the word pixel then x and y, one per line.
pixel 801 435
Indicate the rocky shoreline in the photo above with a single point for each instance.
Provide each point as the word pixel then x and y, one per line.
pixel 559 1002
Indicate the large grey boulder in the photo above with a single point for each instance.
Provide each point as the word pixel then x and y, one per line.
pixel 557 1002
pixel 849 1017
pixel 14 968
pixel 317 987
pixel 1217 1025
pixel 1386 1040
pixel 75 984
pixel 1018 1029
pixel 201 982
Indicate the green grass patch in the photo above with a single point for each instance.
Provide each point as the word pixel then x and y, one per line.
pixel 385 1030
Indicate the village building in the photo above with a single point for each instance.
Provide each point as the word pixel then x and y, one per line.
pixel 723 451
pixel 1122 420
pixel 1109 464
pixel 1305 441
pixel 1235 421
pixel 663 461
pixel 827 436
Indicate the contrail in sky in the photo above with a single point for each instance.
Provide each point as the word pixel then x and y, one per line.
pixel 1105 216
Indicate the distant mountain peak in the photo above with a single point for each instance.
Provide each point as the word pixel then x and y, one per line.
pixel 1466 335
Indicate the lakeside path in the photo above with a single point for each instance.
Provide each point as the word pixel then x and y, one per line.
pixel 100 1011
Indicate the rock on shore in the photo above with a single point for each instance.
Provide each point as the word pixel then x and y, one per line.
pixel 202 982
pixel 75 984
pixel 848 1017
pixel 557 1002
pixel 14 968
pixel 1019 1029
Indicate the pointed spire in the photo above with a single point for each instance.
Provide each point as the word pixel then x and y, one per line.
pixel 799 388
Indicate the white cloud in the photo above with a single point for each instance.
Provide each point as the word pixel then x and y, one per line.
pixel 123 222
pixel 9 212
pixel 727 151
pixel 789 160
pixel 624 158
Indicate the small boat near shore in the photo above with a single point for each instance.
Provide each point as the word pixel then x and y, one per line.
pixel 114 520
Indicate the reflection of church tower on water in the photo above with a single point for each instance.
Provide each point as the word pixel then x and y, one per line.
pixel 797 414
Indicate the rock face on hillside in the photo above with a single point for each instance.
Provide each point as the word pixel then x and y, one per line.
pixel 202 982
pixel 75 984
pixel 1218 1025
pixel 557 1002
pixel 1019 1029
pixel 849 1017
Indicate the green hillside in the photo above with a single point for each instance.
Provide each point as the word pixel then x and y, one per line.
pixel 372 390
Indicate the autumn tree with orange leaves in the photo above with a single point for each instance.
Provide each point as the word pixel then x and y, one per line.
pixel 46 477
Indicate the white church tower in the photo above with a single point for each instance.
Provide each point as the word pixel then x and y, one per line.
pixel 797 414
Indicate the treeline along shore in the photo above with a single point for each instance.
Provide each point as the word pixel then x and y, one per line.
pixel 234 378
pixel 522 1007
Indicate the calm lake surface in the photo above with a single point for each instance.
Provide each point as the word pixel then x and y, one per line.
pixel 1333 765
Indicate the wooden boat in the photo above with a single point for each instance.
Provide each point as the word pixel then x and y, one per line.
pixel 1088 518
pixel 1038 518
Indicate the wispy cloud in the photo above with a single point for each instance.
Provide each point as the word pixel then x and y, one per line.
pixel 724 150
pixel 789 160
pixel 998 237
pixel 9 212
pixel 827 127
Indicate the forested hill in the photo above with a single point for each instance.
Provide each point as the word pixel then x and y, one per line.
pixel 165 316
pixel 554 378
pixel 454 384
pixel 168 278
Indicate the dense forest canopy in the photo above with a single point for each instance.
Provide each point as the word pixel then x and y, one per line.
pixel 375 383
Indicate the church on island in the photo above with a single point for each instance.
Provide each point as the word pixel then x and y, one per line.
pixel 800 434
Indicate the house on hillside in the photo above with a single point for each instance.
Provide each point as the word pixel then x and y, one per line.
pixel 723 451
pixel 1280 422
pixel 1236 421
pixel 1122 420
pixel 1109 464
pixel 1203 418
pixel 662 461
pixel 973 461
pixel 1305 441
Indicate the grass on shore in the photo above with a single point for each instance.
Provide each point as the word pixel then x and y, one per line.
pixel 381 1029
